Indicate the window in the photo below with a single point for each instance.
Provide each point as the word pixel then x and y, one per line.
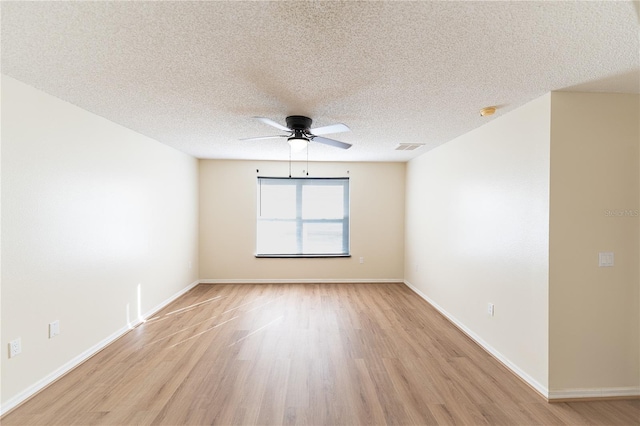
pixel 303 217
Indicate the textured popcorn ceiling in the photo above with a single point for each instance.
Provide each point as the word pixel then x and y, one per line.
pixel 192 74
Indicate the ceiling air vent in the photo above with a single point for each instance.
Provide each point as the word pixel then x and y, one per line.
pixel 409 146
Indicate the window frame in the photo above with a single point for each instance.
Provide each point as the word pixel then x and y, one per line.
pixel 299 183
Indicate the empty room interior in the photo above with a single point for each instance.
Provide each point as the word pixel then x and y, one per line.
pixel 317 212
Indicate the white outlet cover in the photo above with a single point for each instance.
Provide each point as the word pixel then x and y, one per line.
pixel 15 347
pixel 54 329
pixel 605 259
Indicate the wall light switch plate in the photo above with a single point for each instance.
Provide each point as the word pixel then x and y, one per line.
pixel 605 259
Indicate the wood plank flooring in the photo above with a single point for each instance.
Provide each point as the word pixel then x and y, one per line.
pixel 327 354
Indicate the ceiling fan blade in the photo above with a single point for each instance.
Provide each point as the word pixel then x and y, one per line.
pixel 259 138
pixel 331 142
pixel 333 128
pixel 272 123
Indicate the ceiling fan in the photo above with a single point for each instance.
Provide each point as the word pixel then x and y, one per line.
pixel 300 133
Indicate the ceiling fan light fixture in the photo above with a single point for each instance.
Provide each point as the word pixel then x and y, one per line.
pixel 298 143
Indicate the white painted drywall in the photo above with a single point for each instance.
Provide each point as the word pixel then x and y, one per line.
pixel 595 180
pixel 228 203
pixel 477 232
pixel 91 211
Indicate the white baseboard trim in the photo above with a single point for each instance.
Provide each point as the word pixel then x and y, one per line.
pixel 65 368
pixel 12 403
pixel 542 390
pixel 303 281
pixel 170 299
pixel 623 392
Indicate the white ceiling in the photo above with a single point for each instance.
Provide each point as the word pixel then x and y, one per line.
pixel 193 74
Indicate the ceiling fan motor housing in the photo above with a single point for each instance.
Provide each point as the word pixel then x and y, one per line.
pixel 298 122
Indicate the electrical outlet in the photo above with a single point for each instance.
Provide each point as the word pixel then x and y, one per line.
pixel 362 260
pixel 54 329
pixel 15 347
pixel 605 259
pixel 490 309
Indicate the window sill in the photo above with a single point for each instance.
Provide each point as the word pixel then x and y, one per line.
pixel 299 256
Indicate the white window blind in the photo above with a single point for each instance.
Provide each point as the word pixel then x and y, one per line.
pixel 302 217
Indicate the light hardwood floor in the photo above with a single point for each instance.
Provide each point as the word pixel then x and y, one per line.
pixel 328 354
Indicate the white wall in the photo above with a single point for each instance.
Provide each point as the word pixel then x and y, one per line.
pixel 90 212
pixel 594 313
pixel 477 232
pixel 228 223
